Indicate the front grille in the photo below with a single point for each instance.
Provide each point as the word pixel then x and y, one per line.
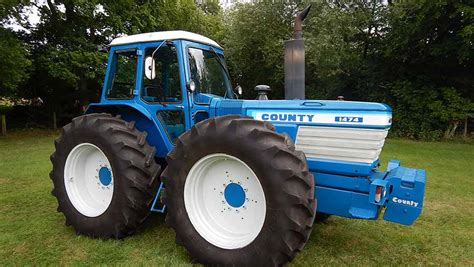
pixel 338 143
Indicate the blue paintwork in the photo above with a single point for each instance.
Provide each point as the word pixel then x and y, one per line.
pixel 105 176
pixel 342 188
pixel 341 167
pixel 162 208
pixel 354 197
pixel 288 128
pixel 326 105
pixel 405 203
pixel 299 117
pixel 345 203
pixel 234 195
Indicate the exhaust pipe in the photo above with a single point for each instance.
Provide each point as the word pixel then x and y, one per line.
pixel 294 60
pixel 299 22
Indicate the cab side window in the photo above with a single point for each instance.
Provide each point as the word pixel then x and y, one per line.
pixel 123 71
pixel 165 86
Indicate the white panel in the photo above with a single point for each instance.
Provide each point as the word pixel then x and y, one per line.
pixel 338 143
pixel 348 119
pixel 165 35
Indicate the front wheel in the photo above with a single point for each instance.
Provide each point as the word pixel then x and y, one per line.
pixel 104 175
pixel 238 193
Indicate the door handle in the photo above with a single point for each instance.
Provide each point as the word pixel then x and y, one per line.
pixel 180 107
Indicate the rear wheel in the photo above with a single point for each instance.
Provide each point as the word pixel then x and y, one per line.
pixel 238 193
pixel 104 175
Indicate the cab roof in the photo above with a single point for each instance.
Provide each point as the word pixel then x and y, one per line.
pixel 165 35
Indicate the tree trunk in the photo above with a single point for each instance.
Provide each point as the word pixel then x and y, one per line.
pixel 446 133
pixel 453 130
pixel 453 125
pixel 465 128
pixel 55 125
pixel 4 124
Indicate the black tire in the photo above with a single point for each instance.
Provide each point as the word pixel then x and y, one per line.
pixel 283 173
pixel 135 171
pixel 321 217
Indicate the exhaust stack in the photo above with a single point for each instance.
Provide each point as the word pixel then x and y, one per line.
pixel 294 60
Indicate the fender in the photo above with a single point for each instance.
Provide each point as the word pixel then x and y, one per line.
pixel 144 121
pixel 100 107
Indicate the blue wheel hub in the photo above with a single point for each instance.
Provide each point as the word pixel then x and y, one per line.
pixel 234 195
pixel 105 176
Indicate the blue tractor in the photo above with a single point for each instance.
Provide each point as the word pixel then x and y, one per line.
pixel 241 181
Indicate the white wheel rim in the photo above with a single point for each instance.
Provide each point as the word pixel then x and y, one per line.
pixel 89 180
pixel 216 207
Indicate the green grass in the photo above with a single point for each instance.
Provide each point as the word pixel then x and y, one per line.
pixel 32 232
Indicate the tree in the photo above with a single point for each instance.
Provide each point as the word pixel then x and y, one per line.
pixel 452 109
pixel 414 56
pixel 14 64
pixel 254 44
pixel 429 44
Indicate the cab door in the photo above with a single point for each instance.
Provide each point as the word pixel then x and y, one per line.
pixel 164 93
pixel 206 69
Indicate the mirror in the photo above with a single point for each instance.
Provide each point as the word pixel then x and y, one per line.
pixel 238 90
pixel 191 85
pixel 102 48
pixel 150 68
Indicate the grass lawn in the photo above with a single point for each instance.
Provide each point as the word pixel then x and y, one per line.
pixel 32 232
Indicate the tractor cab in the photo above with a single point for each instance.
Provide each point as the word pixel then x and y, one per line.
pixel 172 77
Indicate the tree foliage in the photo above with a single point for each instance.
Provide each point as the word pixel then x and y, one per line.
pixel 416 56
pixel 14 63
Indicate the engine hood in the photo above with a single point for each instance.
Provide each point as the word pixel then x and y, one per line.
pixel 330 133
pixel 320 112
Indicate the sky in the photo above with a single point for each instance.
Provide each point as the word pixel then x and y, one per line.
pixel 33 14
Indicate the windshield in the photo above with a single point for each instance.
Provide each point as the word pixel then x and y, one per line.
pixel 209 73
